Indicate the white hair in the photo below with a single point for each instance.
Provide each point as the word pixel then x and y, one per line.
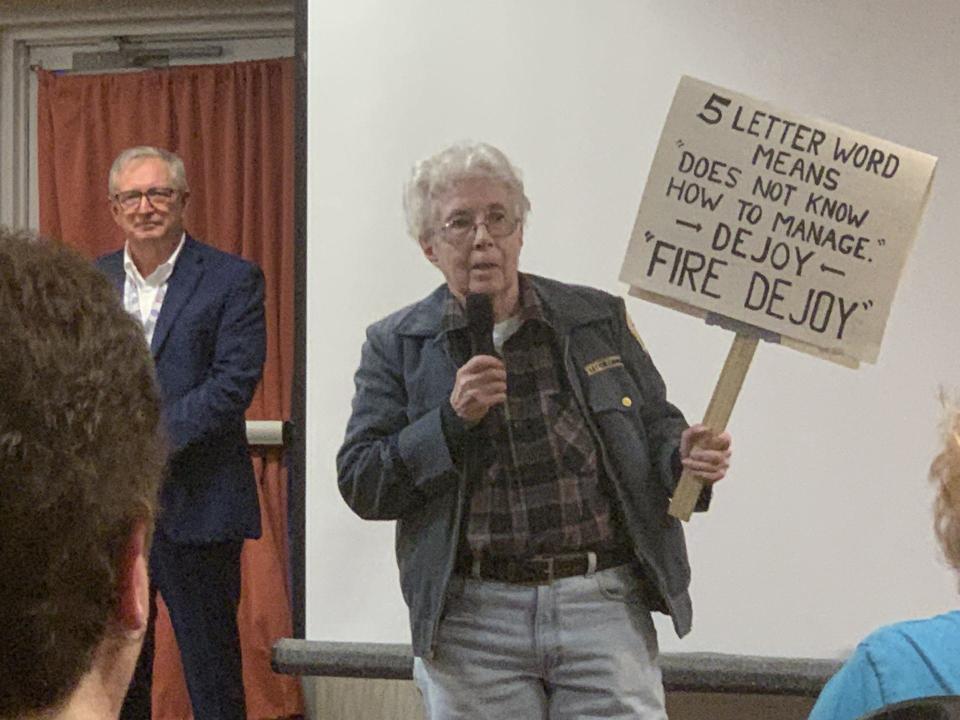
pixel 178 175
pixel 436 174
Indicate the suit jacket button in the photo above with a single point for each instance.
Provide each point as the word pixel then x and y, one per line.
pixel 626 401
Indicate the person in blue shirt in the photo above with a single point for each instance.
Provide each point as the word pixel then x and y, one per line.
pixel 915 658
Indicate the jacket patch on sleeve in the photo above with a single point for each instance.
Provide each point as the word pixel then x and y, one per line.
pixel 611 361
pixel 636 335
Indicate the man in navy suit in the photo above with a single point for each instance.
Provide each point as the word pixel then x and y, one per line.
pixel 202 312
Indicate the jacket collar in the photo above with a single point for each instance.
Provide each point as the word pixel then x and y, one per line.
pixel 564 308
pixel 425 318
pixel 569 306
pixel 186 274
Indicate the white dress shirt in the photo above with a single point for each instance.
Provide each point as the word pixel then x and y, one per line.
pixel 143 296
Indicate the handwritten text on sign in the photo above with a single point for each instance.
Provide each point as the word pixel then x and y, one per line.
pixel 792 224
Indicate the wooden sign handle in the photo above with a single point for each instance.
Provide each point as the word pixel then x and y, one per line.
pixel 718 413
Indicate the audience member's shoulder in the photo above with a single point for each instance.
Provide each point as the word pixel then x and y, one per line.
pixel 915 656
pixel 907 635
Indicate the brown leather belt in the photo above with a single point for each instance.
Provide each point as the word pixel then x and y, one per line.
pixel 542 569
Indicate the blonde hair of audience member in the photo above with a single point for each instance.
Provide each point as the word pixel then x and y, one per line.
pixel 945 474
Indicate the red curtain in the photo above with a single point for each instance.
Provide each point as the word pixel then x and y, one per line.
pixel 233 127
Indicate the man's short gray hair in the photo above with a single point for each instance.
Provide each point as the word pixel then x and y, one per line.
pixel 178 175
pixel 437 174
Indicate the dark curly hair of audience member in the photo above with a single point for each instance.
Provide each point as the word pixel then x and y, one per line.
pixel 81 457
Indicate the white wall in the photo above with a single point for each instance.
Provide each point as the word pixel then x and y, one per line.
pixel 822 530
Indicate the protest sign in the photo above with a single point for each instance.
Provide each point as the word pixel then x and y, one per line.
pixel 788 223
pixel 779 225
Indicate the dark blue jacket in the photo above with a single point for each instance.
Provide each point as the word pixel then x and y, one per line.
pixel 208 346
pixel 395 464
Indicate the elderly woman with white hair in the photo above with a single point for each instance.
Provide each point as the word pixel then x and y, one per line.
pixel 519 434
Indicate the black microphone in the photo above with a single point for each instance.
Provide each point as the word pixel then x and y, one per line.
pixel 479 308
pixel 480 324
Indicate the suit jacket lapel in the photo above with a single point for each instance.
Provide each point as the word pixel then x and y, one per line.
pixel 180 286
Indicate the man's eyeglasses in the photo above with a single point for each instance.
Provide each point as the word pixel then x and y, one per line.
pixel 158 197
pixel 462 227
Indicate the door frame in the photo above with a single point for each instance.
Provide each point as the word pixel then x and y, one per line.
pixel 25 30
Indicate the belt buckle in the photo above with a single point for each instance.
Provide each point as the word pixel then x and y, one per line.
pixel 548 568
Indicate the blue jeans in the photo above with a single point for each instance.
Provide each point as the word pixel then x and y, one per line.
pixel 582 647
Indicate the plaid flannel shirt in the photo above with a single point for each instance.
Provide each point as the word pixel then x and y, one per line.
pixel 541 490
